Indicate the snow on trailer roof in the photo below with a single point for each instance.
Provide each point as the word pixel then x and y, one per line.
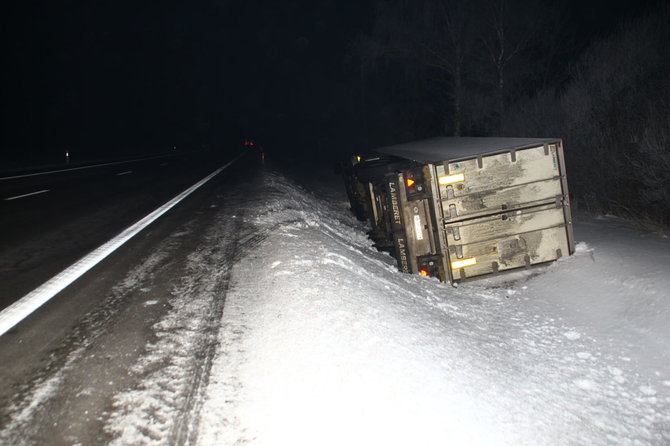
pixel 453 148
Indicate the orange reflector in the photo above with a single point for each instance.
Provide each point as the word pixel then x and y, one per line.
pixel 423 272
pixel 457 264
pixel 410 182
pixel 450 179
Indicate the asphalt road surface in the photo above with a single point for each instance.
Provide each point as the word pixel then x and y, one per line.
pixel 49 221
pixel 87 337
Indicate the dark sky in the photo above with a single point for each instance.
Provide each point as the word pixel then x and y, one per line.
pixel 114 77
pixel 134 76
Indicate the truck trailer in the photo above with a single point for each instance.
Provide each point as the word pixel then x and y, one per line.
pixel 459 208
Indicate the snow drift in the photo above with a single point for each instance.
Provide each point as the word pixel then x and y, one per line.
pixel 323 341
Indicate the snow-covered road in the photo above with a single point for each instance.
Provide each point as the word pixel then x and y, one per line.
pixel 321 340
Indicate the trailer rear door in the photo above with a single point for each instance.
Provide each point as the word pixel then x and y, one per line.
pixel 504 210
pixel 488 184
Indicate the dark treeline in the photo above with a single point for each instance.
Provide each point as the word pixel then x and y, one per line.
pixel 614 115
pixel 109 79
pixel 522 68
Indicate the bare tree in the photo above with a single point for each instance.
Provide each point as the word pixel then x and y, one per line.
pixel 468 53
pixel 614 117
pixel 448 45
pixel 509 29
pixel 436 36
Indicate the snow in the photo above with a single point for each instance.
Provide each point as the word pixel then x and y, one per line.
pixel 436 150
pixel 168 394
pixel 301 332
pixel 323 341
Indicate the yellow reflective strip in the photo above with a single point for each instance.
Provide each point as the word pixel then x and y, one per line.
pixel 450 179
pixel 456 264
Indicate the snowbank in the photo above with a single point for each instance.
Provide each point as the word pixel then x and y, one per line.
pixel 323 341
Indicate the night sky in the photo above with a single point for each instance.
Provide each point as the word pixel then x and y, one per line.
pixel 105 79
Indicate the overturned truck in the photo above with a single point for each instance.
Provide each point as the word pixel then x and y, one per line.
pixel 461 208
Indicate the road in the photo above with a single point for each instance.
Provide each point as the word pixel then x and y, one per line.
pixel 63 364
pixel 49 221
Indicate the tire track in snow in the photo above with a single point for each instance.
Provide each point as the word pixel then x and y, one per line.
pixel 164 406
pixel 186 427
pixel 160 407
pixel 187 422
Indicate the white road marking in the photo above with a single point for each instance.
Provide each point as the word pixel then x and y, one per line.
pixel 83 167
pixel 124 173
pixel 27 195
pixel 22 308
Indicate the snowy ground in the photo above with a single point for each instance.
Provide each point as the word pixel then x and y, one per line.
pixel 323 341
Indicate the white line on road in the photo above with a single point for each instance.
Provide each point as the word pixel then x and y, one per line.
pixel 27 195
pixel 26 175
pixel 124 173
pixel 22 308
